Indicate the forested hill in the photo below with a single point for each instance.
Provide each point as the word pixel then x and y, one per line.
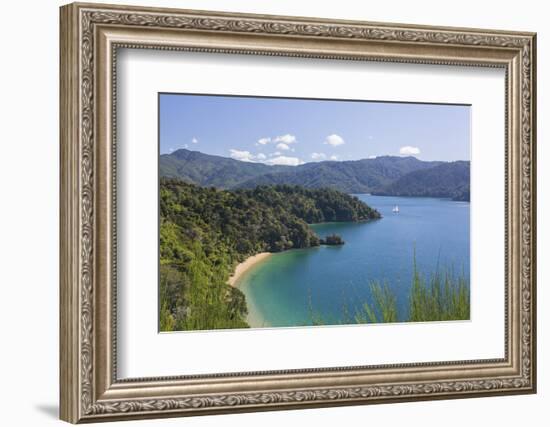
pixel 353 176
pixel 446 180
pixel 211 171
pixel 205 232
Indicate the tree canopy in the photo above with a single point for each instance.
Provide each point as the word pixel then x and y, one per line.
pixel 205 233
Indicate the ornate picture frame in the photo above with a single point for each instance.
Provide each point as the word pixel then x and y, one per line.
pixel 90 37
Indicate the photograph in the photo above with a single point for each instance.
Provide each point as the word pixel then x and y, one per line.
pixel 300 212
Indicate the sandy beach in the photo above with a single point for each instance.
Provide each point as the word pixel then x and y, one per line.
pixel 246 265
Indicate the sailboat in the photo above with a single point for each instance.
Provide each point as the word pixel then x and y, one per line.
pixel 395 209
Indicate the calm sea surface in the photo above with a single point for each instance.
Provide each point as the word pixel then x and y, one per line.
pixel 288 288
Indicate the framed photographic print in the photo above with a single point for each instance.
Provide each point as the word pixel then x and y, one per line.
pixel 264 212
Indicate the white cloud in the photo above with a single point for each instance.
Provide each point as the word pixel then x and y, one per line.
pixel 170 150
pixel 372 156
pixel 334 157
pixel 286 139
pixel 246 156
pixel 318 156
pixel 195 140
pixel 284 160
pixel 185 145
pixel 407 150
pixel 334 140
pixel 275 154
pixel 243 156
pixel 282 146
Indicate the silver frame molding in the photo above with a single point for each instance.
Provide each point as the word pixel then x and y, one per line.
pixel 90 37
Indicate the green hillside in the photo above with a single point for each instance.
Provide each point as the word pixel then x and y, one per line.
pixel 211 171
pixel 205 233
pixel 445 180
pixel 354 176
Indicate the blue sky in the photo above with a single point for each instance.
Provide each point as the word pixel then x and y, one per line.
pixel 295 131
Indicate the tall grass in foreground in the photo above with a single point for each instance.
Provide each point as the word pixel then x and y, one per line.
pixel 442 296
pixel 383 308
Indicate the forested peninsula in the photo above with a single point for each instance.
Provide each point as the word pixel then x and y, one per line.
pixel 205 232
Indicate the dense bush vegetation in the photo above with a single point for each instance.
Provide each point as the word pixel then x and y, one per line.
pixel 332 240
pixel 205 232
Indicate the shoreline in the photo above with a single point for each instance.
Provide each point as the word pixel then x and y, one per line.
pixel 246 265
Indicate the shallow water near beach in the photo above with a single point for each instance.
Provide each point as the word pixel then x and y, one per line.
pixel 290 288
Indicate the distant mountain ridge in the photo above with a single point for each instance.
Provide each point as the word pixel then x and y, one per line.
pixel 384 175
pixel 211 171
pixel 353 176
pixel 445 180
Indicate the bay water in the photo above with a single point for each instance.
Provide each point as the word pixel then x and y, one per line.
pixel 294 287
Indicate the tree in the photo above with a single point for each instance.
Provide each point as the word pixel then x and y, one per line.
pixel 333 240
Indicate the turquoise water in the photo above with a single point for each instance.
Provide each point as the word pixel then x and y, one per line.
pixel 287 287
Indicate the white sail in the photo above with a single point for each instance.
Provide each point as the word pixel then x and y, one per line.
pixel 395 209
